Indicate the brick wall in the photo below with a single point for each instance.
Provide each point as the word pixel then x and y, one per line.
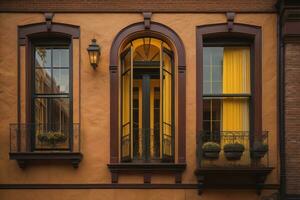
pixel 292 117
pixel 137 5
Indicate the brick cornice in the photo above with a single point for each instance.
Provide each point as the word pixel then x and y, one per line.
pixel 138 6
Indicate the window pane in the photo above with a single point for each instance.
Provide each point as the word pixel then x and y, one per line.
pixel 212 70
pixel 216 109
pixel 43 81
pixel 42 57
pixel 206 109
pixel 52 111
pixel 226 70
pixel 167 62
pixel 52 122
pixel 60 57
pixel 126 108
pixel 211 114
pixel 41 111
pixel 60 80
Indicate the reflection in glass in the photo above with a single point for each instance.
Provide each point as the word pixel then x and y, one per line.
pixel 43 81
pixel 60 58
pixel 60 80
pixel 42 57
pixel 52 116
pixel 51 99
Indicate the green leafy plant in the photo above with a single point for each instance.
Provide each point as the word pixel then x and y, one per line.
pixel 211 146
pixel 259 150
pixel 259 146
pixel 234 151
pixel 211 150
pixel 51 137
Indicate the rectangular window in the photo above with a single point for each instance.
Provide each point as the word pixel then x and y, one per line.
pixel 226 93
pixel 51 97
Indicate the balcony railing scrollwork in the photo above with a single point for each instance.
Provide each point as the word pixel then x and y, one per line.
pixel 232 159
pixel 250 150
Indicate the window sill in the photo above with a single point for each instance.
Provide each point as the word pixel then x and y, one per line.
pixel 24 159
pixel 233 177
pixel 147 169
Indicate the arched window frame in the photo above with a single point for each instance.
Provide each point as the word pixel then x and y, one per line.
pixel 167 35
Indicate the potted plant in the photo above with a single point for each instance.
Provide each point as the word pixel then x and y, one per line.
pixel 51 138
pixel 234 151
pixel 211 150
pixel 259 150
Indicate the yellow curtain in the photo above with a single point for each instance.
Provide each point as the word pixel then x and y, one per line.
pixel 236 80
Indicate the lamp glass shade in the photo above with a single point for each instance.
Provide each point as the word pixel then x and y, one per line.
pixel 94 53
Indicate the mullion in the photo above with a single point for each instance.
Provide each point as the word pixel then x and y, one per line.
pixel 52 70
pixel 60 67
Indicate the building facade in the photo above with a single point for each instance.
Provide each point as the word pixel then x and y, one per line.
pixel 149 100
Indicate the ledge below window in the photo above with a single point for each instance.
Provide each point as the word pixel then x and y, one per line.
pixel 232 177
pixel 147 169
pixel 24 159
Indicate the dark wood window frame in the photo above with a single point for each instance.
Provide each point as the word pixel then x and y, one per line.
pixel 222 34
pixel 240 35
pixel 167 35
pixel 26 35
pixel 53 41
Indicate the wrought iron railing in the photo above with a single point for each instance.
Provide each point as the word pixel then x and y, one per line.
pixel 44 137
pixel 149 144
pixel 254 152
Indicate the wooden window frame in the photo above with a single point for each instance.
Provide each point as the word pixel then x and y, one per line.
pixel 222 34
pixel 167 35
pixel 52 41
pixel 26 33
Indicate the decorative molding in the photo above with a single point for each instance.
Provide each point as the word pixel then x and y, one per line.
pixel 24 159
pixel 230 20
pixel 113 68
pixel 233 177
pixel 156 29
pixel 147 178
pixel 121 6
pixel 28 30
pixel 48 19
pixel 125 186
pixel 147 19
pixel 147 170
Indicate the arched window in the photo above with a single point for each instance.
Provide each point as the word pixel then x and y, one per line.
pixel 147 100
pixel 147 108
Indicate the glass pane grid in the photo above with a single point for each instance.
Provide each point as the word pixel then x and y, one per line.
pixel 51 98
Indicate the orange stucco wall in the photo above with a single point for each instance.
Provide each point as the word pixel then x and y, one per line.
pixel 94 107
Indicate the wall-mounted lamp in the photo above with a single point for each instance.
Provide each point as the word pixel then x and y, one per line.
pixel 94 53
